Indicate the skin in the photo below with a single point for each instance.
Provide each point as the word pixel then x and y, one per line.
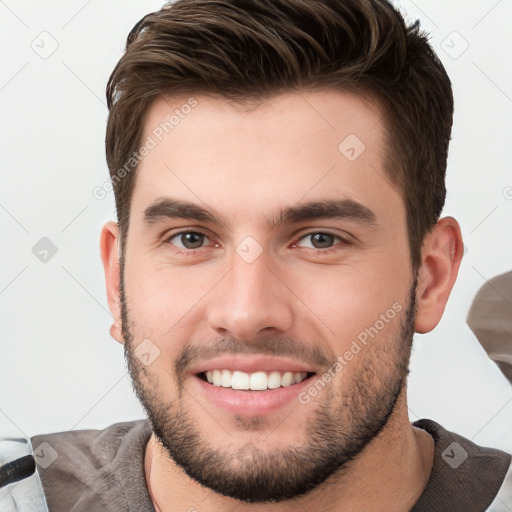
pixel 246 164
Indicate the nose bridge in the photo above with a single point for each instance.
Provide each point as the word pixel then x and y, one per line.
pixel 250 298
pixel 250 282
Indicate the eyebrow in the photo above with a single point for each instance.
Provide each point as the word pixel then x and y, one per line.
pixel 342 209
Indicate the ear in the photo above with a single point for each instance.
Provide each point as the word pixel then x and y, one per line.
pixel 109 249
pixel 441 257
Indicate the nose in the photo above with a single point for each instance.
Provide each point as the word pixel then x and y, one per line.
pixel 250 299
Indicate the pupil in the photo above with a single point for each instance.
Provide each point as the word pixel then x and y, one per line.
pixel 192 240
pixel 322 240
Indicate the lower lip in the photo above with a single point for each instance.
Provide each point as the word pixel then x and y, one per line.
pixel 251 403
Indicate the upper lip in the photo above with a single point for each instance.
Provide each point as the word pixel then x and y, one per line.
pixel 252 365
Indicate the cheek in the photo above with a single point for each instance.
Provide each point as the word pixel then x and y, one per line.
pixel 161 298
pixel 349 300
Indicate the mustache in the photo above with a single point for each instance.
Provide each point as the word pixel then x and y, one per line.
pixel 267 346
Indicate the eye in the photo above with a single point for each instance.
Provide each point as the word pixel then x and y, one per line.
pixel 187 239
pixel 321 240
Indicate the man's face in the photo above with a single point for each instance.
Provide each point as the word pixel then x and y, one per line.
pixel 261 277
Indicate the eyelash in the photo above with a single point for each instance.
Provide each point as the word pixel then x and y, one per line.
pixel 334 248
pixel 191 252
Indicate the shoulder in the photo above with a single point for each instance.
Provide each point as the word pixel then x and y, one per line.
pixel 94 445
pixel 78 467
pixel 464 476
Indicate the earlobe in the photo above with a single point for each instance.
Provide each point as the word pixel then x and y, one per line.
pixel 441 257
pixel 109 250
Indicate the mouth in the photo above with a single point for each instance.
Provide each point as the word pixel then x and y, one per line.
pixel 231 391
pixel 257 381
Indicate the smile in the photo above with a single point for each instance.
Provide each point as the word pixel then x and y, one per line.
pixel 231 392
pixel 257 381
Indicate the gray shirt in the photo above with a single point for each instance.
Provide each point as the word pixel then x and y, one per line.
pixel 103 470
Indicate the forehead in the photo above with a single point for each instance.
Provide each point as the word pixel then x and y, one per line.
pixel 246 158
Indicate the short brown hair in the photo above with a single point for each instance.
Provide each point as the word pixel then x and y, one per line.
pixel 246 50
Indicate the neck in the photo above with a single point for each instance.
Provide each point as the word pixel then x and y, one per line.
pixel 389 474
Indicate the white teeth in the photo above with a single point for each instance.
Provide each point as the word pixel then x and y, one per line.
pixel 254 381
pixel 240 380
pixel 226 379
pixel 274 380
pixel 216 377
pixel 287 379
pixel 258 381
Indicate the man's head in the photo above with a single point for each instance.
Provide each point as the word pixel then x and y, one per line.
pixel 280 218
pixel 251 50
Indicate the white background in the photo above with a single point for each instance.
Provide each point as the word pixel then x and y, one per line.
pixel 59 367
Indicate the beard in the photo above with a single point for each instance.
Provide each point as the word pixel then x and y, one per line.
pixel 344 422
